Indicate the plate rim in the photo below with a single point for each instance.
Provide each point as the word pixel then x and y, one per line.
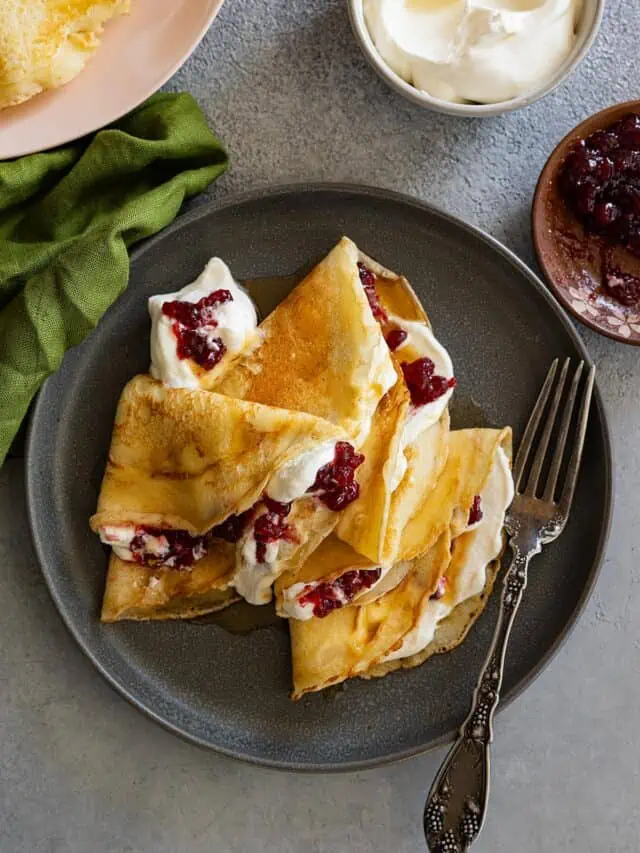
pixel 212 207
pixel 117 114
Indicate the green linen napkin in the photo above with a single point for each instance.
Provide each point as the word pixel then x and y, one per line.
pixel 67 218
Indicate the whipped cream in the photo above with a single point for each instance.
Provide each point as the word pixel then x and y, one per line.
pixel 291 607
pixel 293 479
pixel 120 538
pixel 236 325
pixel 484 51
pixel 253 579
pixel 421 339
pixel 484 547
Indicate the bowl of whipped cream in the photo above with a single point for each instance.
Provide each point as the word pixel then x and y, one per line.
pixel 475 57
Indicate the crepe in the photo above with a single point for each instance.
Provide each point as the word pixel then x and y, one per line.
pixel 186 459
pixel 141 592
pixel 335 557
pixel 362 640
pixel 349 641
pixel 399 470
pixel 46 43
pixel 322 351
pixel 331 561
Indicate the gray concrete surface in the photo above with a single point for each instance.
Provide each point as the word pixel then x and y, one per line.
pixel 284 85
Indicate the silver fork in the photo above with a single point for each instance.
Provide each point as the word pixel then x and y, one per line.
pixel 457 803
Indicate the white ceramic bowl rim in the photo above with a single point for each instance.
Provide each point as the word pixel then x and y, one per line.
pixel 591 18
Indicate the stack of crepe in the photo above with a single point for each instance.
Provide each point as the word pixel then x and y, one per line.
pixel 373 575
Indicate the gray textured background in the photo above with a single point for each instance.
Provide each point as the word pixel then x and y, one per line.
pixel 285 87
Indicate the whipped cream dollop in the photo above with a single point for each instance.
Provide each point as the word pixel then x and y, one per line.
pixel 484 547
pixel 235 323
pixel 484 51
pixel 421 339
pixel 296 477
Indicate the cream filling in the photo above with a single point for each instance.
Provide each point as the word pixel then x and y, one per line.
pixel 296 477
pixel 254 580
pixel 485 546
pixel 236 325
pixel 120 537
pixel 293 609
pixel 483 51
pixel 419 418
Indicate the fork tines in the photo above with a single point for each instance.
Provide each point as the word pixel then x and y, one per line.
pixel 538 441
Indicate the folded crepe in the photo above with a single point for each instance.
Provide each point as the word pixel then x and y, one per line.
pixel 187 468
pixel 134 591
pixel 333 576
pixel 407 447
pixel 444 590
pixel 321 352
pixel 337 575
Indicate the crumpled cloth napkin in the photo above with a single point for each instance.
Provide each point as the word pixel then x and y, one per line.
pixel 67 218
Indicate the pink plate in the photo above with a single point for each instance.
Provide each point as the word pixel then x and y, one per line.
pixel 138 54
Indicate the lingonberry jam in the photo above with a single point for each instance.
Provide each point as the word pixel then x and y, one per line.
pixel 475 514
pixel 335 484
pixel 368 279
pixel 193 323
pixel 175 549
pixel 600 181
pixel 395 338
pixel 233 527
pixel 440 589
pixel 271 526
pixel 329 596
pixel 424 386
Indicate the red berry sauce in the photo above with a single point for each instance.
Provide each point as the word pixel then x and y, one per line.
pixel 232 528
pixel 395 338
pixel 424 386
pixel 335 484
pixel 326 597
pixel 183 549
pixel 600 181
pixel 475 515
pixel 271 526
pixel 440 589
pixel 192 324
pixel 368 279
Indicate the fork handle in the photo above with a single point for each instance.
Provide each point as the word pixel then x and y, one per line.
pixel 456 805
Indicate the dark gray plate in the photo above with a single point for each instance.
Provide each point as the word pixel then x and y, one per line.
pixel 230 692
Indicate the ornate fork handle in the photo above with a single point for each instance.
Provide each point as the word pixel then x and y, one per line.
pixel 456 804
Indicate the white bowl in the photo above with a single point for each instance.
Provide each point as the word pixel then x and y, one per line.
pixel 589 24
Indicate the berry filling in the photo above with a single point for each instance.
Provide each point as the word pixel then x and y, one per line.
pixel 368 279
pixel 233 527
pixel 271 526
pixel 395 338
pixel 475 515
pixel 335 484
pixel 174 549
pixel 600 181
pixel 440 589
pixel 424 386
pixel 192 325
pixel 329 596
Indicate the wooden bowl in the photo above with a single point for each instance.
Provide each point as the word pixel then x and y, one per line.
pixel 572 260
